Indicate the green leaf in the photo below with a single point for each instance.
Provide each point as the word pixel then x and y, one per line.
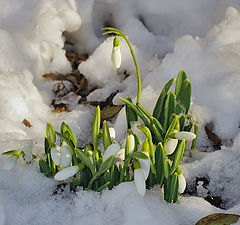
pixel 44 167
pixel 138 112
pixel 178 156
pixel 95 131
pixel 103 186
pixel 15 153
pixel 183 99
pixel 66 129
pixel 168 110
pixel 157 134
pixel 127 146
pixel 82 156
pixel 158 109
pixel 50 133
pixel 106 135
pixel 46 145
pixel 160 157
pixel 219 219
pixel 166 168
pixel 173 196
pixel 131 115
pixel 195 132
pixel 103 168
pixel 139 155
pixel 181 77
pixel 171 127
pixel 182 120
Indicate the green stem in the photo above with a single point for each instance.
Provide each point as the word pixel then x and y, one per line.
pixel 143 110
pixel 118 32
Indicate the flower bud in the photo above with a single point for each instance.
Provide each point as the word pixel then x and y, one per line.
pixel 116 54
pixel 139 181
pixel 188 136
pixel 112 149
pixel 131 143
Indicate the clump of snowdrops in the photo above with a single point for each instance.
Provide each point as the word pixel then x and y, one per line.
pixel 105 163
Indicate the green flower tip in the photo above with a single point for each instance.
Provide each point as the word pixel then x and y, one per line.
pixel 116 42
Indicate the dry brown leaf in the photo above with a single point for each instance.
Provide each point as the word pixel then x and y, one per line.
pixel 26 123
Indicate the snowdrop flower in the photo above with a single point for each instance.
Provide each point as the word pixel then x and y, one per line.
pixel 121 154
pixel 182 183
pixel 67 173
pixel 171 145
pixel 112 149
pixel 62 156
pixel 116 54
pixel 188 136
pixel 141 171
pixel 10 162
pixel 112 132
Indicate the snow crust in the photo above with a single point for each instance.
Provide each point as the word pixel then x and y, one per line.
pixel 201 37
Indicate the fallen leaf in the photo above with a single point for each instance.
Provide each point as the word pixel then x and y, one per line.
pixel 219 219
pixel 111 111
pixel 26 123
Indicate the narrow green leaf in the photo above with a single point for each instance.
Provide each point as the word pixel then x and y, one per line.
pixel 169 109
pixel 112 178
pixel 103 186
pixel 160 157
pixel 139 155
pixel 178 156
pixel 171 127
pixel 183 99
pixel 95 131
pixel 161 99
pixel 157 134
pixel 82 156
pixel 46 145
pixel 106 135
pixel 195 132
pixel 181 77
pixel 44 167
pixel 173 188
pixel 14 153
pixel 50 133
pixel 166 168
pixel 182 120
pixel 138 112
pixel 131 115
pixel 103 168
pixel 66 129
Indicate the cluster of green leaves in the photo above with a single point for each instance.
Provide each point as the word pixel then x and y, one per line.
pixel 170 115
pixel 94 173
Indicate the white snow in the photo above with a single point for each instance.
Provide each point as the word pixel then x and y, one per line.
pixel 201 37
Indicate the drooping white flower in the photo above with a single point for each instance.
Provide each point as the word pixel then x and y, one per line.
pixel 188 136
pixel 182 183
pixel 112 149
pixel 171 145
pixel 139 181
pixel 9 163
pixel 65 155
pixel 141 173
pixel 121 154
pixel 66 173
pixel 55 155
pixel 62 156
pixel 116 54
pixel 112 132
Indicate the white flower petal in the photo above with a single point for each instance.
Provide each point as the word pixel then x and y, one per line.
pixel 131 143
pixel 145 167
pixel 188 136
pixel 9 163
pixel 112 132
pixel 65 156
pixel 182 183
pixel 121 154
pixel 171 145
pixel 55 155
pixel 116 57
pixel 139 181
pixel 66 173
pixel 111 150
